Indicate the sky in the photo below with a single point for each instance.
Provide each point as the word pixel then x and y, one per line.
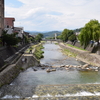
pixel 50 15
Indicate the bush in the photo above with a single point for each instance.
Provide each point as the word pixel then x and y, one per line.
pixel 38 52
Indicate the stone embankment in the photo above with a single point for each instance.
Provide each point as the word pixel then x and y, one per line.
pixel 9 73
pixel 10 53
pixel 85 56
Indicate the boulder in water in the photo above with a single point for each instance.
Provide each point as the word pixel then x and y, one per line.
pixel 85 66
pixel 53 69
pixel 48 70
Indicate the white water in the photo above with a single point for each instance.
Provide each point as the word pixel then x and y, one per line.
pixel 84 93
pixel 10 97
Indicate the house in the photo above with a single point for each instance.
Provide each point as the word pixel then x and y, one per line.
pixel 20 34
pixel 77 33
pixel 19 30
pixel 9 24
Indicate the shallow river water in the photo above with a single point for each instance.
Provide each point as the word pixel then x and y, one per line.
pixel 27 81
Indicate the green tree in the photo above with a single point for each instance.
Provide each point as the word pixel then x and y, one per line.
pixel 39 37
pixel 73 39
pixel 9 39
pixel 91 31
pixel 2 36
pixel 66 34
pixel 26 40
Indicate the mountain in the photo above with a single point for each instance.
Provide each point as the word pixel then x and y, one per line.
pixel 46 34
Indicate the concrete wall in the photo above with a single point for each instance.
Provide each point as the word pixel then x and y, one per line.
pixel 85 56
pixel 12 71
pixel 77 44
pixel 17 65
pixel 6 52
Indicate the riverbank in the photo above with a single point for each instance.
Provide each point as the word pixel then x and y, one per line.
pixel 85 56
pixel 13 69
pixel 62 83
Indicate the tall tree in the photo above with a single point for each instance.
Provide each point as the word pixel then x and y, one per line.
pixel 73 39
pixel 91 31
pixel 66 34
pixel 39 37
pixel 9 39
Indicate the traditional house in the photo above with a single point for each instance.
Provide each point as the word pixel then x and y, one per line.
pixel 9 24
pixel 19 30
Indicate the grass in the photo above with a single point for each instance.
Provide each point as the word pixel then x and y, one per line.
pixel 56 43
pixel 21 68
pixel 43 41
pixel 38 52
pixel 30 48
pixel 69 53
pixel 76 47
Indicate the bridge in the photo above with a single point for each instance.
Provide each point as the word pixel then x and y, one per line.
pixel 52 40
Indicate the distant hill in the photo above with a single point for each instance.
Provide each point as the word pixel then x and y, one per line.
pixel 46 34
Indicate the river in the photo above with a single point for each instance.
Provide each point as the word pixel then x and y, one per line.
pixel 27 81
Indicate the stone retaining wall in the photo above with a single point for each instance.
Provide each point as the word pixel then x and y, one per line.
pixel 12 71
pixel 6 52
pixel 85 56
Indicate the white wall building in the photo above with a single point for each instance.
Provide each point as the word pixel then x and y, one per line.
pixel 20 31
pixel 9 30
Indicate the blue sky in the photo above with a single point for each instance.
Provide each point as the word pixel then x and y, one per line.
pixel 49 15
pixel 13 3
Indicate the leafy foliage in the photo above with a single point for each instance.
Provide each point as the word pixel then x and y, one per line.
pixel 72 38
pixel 39 37
pixel 26 39
pixel 9 39
pixel 66 34
pixel 91 31
pixel 38 52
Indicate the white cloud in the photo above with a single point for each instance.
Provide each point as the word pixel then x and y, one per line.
pixel 78 2
pixel 46 15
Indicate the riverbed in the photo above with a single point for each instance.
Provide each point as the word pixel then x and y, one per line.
pixel 27 81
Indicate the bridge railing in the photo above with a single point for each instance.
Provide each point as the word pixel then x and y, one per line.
pixel 52 40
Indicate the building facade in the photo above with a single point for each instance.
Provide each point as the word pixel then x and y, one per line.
pixel 9 24
pixel 1 16
pixel 20 31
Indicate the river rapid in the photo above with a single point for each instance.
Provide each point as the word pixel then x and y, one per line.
pixel 27 81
